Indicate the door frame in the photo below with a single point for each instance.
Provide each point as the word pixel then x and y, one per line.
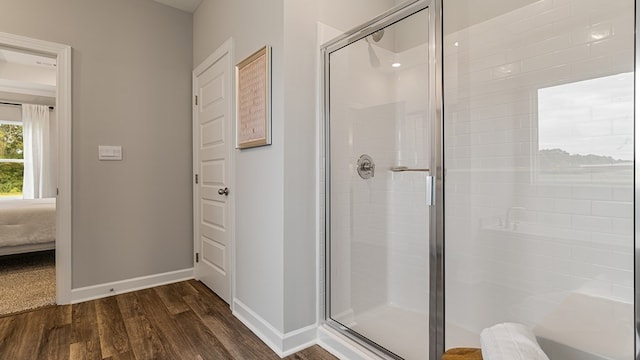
pixel 62 53
pixel 225 48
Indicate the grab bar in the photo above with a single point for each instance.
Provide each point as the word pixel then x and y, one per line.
pixel 404 168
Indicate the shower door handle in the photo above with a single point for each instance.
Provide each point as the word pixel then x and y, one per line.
pixel 431 190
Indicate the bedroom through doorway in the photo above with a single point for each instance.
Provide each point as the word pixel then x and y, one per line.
pixel 28 180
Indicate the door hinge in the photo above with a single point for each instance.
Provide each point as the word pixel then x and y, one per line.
pixel 197 257
pixel 196 178
pixel 196 99
pixel 57 191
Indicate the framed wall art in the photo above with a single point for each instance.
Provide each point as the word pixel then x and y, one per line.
pixel 253 100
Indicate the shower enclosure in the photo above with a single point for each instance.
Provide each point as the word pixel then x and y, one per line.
pixel 485 148
pixel 539 119
pixel 381 181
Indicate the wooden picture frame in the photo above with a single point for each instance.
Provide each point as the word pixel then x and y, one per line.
pixel 253 100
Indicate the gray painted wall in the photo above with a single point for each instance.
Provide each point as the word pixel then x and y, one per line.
pixel 275 186
pixel 132 63
pixel 259 173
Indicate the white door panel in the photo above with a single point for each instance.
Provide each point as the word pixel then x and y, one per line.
pixel 212 149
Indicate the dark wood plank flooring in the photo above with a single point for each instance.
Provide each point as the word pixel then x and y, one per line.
pixel 180 321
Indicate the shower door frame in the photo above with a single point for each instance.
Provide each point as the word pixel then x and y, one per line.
pixel 636 188
pixel 436 213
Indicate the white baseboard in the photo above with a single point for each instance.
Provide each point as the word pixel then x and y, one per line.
pixel 124 286
pixel 282 344
pixel 342 347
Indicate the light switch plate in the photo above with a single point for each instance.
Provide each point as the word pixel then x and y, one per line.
pixel 110 153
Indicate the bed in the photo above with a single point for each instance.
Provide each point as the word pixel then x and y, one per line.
pixel 27 225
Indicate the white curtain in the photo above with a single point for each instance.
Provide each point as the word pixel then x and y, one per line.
pixel 38 180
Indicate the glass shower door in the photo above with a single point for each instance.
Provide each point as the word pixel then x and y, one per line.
pixel 380 187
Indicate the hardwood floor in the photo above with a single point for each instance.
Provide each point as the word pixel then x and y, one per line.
pixel 185 320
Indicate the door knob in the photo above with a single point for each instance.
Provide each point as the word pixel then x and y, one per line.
pixel 224 191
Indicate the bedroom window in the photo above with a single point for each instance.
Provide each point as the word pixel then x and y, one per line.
pixel 11 160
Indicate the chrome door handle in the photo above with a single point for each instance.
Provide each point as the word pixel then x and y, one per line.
pixel 224 191
pixel 431 190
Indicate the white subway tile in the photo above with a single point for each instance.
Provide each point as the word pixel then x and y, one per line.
pixel 462 140
pixel 566 266
pixel 593 33
pixel 613 242
pixel 462 127
pixel 523 27
pixel 505 70
pixel 487 62
pixel 572 54
pixel 592 192
pixel 623 226
pixel 586 254
pixel 611 45
pixel 615 259
pixel 590 68
pixel 612 209
pixel 480 77
pixel 499 97
pixel 554 219
pixel 540 62
pixel 562 41
pixel 554 249
pixel 622 61
pixel 460 152
pixel 622 22
pixel 616 276
pixel 560 73
pixel 532 34
pixel 570 283
pixel 613 10
pixel 623 193
pixel 592 223
pixel 534 203
pixel 572 206
pixel 566 26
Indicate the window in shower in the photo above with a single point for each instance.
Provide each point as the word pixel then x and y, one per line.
pixel 585 128
pixel 378 164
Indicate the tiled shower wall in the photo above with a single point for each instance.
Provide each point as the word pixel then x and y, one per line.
pixel 529 237
pixel 379 225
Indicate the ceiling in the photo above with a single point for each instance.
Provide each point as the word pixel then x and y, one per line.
pixel 15 57
pixel 184 5
pixel 27 77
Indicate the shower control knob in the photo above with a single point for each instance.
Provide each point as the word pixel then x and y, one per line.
pixel 365 166
pixel 224 191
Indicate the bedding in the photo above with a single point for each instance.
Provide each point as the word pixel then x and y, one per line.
pixel 27 224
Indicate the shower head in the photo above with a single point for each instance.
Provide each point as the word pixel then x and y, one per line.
pixel 377 36
pixel 373 58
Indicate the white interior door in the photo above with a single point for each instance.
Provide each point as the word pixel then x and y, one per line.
pixel 212 152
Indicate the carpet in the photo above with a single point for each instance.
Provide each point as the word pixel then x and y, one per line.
pixel 27 281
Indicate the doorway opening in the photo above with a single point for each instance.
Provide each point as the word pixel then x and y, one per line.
pixel 55 98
